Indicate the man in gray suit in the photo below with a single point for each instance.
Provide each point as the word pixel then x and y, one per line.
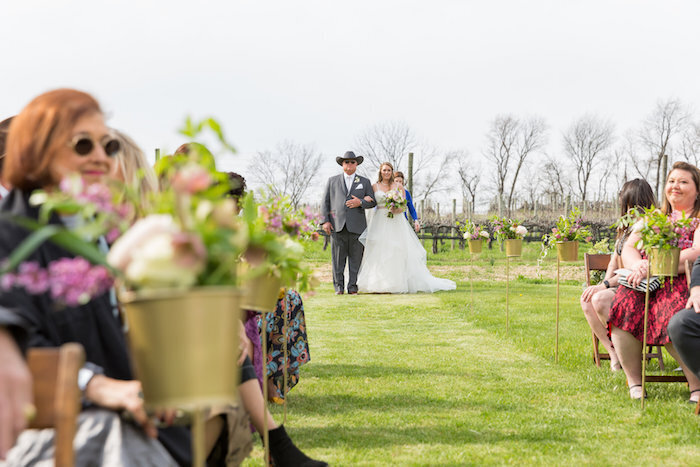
pixel 343 210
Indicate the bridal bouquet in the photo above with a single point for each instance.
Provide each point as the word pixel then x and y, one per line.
pixel 472 231
pixel 504 228
pixel 394 200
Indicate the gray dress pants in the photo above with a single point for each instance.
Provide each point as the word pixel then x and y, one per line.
pixel 684 331
pixel 346 246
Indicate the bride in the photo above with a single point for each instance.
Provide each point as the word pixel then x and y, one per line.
pixel 394 258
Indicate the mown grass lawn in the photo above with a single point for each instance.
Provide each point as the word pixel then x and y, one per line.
pixel 433 379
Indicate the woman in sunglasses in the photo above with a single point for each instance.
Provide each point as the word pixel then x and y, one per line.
pixel 61 133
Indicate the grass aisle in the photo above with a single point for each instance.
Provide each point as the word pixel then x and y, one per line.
pixel 424 380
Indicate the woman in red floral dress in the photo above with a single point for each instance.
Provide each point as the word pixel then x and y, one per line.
pixel 681 193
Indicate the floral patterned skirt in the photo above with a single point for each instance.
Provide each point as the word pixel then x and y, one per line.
pixel 627 310
pixel 291 306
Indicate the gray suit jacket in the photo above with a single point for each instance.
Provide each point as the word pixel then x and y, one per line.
pixel 333 208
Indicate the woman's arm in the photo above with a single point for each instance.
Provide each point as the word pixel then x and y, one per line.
pixel 15 392
pixel 632 260
pixel 411 208
pixel 613 265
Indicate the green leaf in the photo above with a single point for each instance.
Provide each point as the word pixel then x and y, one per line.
pixel 29 246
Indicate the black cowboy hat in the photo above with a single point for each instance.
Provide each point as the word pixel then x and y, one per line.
pixel 348 156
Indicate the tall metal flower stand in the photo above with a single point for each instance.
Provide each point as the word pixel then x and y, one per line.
pixel 261 296
pixel 566 251
pixel 474 248
pixel 514 248
pixel 662 263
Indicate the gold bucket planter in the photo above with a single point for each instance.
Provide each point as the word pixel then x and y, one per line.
pixel 184 345
pixel 664 261
pixel 261 293
pixel 514 246
pixel 567 251
pixel 475 246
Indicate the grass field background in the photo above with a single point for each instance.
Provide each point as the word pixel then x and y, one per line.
pixel 433 379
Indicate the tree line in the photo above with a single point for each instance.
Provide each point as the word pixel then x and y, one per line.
pixel 512 167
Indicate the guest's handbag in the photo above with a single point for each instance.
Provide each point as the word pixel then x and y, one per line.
pixel 654 283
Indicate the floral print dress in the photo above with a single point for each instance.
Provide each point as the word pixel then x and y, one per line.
pixel 291 306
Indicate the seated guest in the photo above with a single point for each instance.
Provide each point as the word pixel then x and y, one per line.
pixel 15 380
pixel 681 194
pixel 596 299
pixel 684 328
pixel 61 133
pixel 290 305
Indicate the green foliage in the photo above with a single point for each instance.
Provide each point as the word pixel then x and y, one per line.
pixel 658 230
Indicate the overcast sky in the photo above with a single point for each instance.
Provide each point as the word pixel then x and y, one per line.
pixel 321 71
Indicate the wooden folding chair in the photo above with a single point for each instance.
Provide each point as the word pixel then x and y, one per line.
pixel 599 262
pixel 56 395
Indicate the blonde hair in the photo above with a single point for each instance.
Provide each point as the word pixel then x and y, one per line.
pixel 136 170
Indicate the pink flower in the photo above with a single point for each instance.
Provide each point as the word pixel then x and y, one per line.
pixel 191 179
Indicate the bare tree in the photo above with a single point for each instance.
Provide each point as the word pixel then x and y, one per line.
pixel 532 189
pixel 288 170
pixel 510 142
pixel 469 176
pixel 391 142
pixel 668 119
pixel 584 142
pixel 553 176
pixel 690 143
pixel 387 142
pixel 432 175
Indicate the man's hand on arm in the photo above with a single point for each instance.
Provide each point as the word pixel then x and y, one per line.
pixel 694 299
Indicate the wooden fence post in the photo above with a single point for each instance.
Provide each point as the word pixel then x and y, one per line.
pixel 454 218
pixel 410 173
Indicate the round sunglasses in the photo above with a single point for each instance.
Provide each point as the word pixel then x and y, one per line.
pixel 84 145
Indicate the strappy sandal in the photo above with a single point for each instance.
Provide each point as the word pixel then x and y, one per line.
pixel 636 394
pixel 691 397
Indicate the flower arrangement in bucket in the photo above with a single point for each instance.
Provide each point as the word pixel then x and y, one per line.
pixel 662 237
pixel 176 269
pixel 568 231
pixel 511 232
pixel 395 201
pixel 474 234
pixel 276 233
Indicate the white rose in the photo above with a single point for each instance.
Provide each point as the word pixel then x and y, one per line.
pixel 153 264
pixel 122 252
pixel 521 230
pixel 484 234
pixel 466 235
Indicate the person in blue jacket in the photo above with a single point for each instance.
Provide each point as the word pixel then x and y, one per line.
pixel 398 178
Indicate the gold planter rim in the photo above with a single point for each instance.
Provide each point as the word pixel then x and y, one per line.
pixel 162 293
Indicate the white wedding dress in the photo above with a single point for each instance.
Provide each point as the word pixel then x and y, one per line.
pixel 394 258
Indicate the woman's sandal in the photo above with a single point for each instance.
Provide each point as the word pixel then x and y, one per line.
pixel 691 400
pixel 636 394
